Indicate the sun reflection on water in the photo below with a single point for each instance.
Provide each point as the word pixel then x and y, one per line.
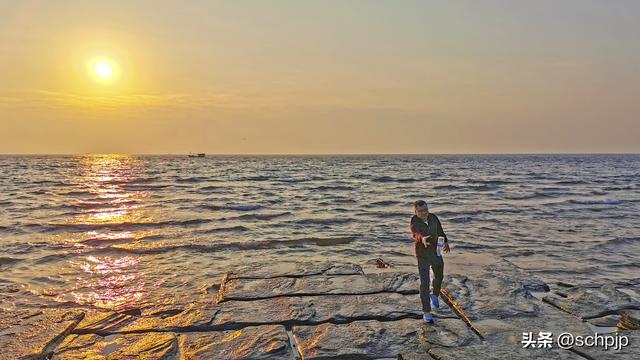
pixel 110 281
pixel 106 178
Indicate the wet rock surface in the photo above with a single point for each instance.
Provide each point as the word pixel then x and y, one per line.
pixel 34 334
pixel 150 345
pixel 590 303
pixel 379 339
pixel 629 320
pixel 297 269
pixel 338 311
pixel 489 351
pixel 322 309
pixel 254 342
pixel 345 284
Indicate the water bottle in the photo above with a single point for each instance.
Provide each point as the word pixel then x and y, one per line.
pixel 440 245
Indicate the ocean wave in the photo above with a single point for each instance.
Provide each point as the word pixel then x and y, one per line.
pixel 38 192
pixel 145 187
pixel 596 202
pixel 619 241
pixel 325 221
pixel 333 188
pixel 217 247
pixel 571 182
pixel 490 182
pixel 484 187
pixel 466 216
pixel 115 181
pixel 77 193
pixel 388 214
pixel 237 228
pixel 127 225
pixel 468 246
pixel 525 252
pixel 385 203
pixel 194 179
pixel 105 240
pixel 51 183
pixel 343 200
pixel 101 204
pixel 239 207
pixel 259 216
pixel 446 187
pixel 255 178
pixel 535 195
pixel 617 188
pixel 461 219
pixel 55 257
pixel 5 260
pixel 389 179
pixel 211 188
pixel 293 180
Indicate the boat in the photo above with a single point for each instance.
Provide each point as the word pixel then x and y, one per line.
pixel 198 155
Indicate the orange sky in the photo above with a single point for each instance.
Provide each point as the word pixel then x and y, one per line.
pixel 320 77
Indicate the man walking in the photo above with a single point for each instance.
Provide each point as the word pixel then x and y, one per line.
pixel 426 228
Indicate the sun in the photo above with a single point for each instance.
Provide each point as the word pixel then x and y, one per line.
pixel 103 70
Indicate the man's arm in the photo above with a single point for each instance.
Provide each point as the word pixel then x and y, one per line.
pixel 417 233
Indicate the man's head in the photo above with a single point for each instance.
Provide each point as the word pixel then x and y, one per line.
pixel 421 209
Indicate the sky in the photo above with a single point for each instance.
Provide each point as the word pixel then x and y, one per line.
pixel 320 77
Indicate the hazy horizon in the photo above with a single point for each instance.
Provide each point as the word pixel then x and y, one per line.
pixel 324 154
pixel 312 78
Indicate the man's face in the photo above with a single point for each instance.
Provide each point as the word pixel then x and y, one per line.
pixel 422 212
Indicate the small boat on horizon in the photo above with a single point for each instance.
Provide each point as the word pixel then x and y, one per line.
pixel 198 155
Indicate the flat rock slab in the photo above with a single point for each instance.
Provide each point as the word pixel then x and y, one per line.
pixel 495 296
pixel 500 351
pixel 293 310
pixel 254 289
pixel 629 352
pixel 492 352
pixel 33 334
pixel 197 316
pixel 160 346
pixel 590 303
pixel 319 309
pixel 503 337
pixel 293 269
pixel 333 311
pixel 605 321
pixel 379 339
pixel 256 343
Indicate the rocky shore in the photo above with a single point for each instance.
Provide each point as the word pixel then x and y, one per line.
pixel 340 311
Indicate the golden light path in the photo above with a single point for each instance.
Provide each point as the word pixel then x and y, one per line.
pixel 110 281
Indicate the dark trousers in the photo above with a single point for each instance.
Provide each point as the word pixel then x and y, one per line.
pixel 437 264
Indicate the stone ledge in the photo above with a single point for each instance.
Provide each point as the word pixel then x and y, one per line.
pixel 325 311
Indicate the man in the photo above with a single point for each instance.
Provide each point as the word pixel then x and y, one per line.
pixel 426 228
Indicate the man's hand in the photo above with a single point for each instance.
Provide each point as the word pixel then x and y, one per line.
pixel 446 247
pixel 425 240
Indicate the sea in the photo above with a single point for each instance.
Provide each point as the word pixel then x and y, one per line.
pixel 122 231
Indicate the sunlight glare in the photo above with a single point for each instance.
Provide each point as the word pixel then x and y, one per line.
pixel 104 70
